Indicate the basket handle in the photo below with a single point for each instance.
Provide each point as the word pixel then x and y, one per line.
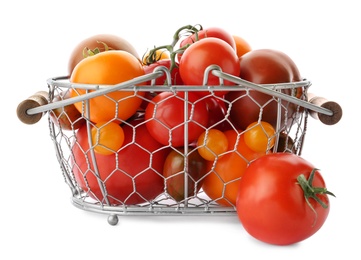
pixel 328 112
pixel 330 105
pixel 38 99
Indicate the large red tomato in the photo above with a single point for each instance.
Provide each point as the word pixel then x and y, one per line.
pixel 202 54
pixel 165 118
pixel 131 176
pixel 264 66
pixel 282 199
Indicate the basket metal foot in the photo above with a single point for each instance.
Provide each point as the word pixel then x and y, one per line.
pixel 113 219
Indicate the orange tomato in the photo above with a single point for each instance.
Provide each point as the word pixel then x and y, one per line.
pixel 108 68
pixel 221 184
pixel 242 46
pixel 260 136
pixel 211 144
pixel 107 137
pixel 159 55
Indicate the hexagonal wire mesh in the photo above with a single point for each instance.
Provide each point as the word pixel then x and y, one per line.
pixel 131 180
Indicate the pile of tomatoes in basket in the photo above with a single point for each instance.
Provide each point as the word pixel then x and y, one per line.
pixel 138 139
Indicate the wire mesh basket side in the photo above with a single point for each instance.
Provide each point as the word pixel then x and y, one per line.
pixel 93 190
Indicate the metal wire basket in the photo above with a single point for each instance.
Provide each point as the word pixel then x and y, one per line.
pixel 291 106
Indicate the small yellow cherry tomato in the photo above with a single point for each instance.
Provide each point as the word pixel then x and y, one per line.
pixel 211 144
pixel 260 136
pixel 107 137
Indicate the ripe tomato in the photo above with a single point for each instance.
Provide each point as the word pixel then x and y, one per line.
pixel 175 75
pixel 271 202
pixel 264 66
pixel 131 176
pixel 165 120
pixel 217 111
pixel 107 137
pixel 242 46
pixel 211 144
pixel 201 54
pixel 211 32
pixel 108 68
pixel 260 136
pixel 114 42
pixel 173 172
pixel 221 185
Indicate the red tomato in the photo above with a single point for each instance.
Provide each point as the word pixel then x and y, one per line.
pixel 263 66
pixel 271 202
pixel 175 75
pixel 173 172
pixel 211 32
pixel 200 55
pixel 165 118
pixel 217 111
pixel 127 175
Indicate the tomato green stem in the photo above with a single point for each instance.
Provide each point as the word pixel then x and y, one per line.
pixel 312 192
pixel 190 29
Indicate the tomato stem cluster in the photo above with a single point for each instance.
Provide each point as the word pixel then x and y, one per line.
pixel 187 29
pixel 312 192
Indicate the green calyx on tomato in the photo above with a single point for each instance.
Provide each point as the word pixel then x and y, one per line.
pixel 88 52
pixel 311 192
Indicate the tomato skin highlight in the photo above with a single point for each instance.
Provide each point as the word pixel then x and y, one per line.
pixel 271 204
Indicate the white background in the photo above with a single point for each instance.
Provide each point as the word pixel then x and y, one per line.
pixel 37 220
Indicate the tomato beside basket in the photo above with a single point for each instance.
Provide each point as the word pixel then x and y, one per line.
pixel 101 188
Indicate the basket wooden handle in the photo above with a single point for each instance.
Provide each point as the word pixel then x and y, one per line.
pixel 331 105
pixel 40 98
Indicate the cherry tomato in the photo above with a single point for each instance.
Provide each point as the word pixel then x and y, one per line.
pixel 107 137
pixel 221 184
pixel 174 170
pixel 277 199
pixel 165 118
pixel 264 66
pixel 131 176
pixel 217 111
pixel 174 73
pixel 113 42
pixel 108 68
pixel 260 136
pixel 201 54
pixel 211 144
pixel 242 46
